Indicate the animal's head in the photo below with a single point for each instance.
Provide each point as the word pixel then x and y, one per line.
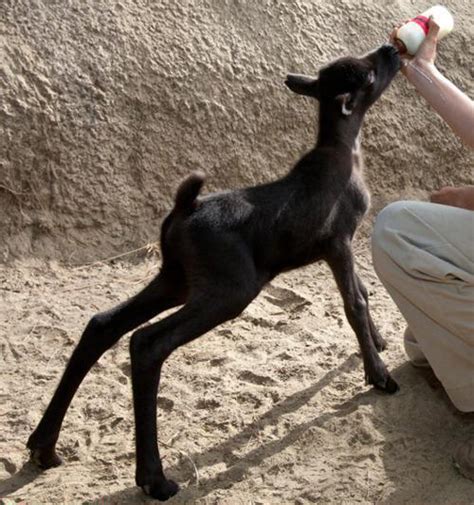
pixel 350 84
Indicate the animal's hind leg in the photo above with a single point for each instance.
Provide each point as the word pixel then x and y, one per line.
pixel 224 282
pixel 103 331
pixel 149 348
pixel 379 341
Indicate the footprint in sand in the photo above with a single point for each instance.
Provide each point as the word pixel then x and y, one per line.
pixel 10 468
pixel 207 403
pixel 126 368
pixel 246 397
pixel 165 403
pixel 253 378
pixel 219 361
pixel 285 298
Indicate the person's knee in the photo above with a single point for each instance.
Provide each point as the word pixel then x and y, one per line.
pixel 386 229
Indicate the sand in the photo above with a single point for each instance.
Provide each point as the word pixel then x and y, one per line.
pixel 268 408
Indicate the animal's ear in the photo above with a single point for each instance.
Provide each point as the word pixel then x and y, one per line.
pixel 303 84
pixel 348 102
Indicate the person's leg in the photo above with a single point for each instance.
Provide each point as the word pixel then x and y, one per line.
pixel 464 459
pixel 424 255
pixel 413 350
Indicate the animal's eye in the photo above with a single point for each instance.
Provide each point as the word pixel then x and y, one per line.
pixel 371 78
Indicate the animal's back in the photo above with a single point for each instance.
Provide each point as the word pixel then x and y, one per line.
pixel 285 223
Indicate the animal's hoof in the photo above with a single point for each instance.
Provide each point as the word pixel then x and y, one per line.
pixel 45 458
pixel 162 490
pixel 380 344
pixel 387 386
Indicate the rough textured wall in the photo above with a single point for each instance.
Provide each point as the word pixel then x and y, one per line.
pixel 107 104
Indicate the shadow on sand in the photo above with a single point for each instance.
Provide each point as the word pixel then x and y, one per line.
pixel 27 473
pixel 412 423
pixel 418 467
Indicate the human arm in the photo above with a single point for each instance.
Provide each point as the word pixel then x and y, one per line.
pixel 454 106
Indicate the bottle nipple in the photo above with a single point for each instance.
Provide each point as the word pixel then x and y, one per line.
pixel 401 47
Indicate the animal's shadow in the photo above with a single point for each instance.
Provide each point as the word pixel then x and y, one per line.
pixel 412 454
pixel 420 473
pixel 27 473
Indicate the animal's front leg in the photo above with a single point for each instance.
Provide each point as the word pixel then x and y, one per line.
pixel 379 341
pixel 342 265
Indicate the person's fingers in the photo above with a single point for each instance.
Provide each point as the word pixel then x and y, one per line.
pixel 393 35
pixel 437 195
pixel 433 30
pixel 447 189
pixel 446 196
pixel 431 40
pixel 439 198
pixel 434 197
pixel 427 50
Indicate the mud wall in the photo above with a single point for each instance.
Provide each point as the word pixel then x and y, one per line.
pixel 108 104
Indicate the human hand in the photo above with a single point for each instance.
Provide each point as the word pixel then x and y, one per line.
pixel 426 54
pixel 462 197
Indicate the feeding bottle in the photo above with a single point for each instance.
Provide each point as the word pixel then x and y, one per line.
pixel 410 35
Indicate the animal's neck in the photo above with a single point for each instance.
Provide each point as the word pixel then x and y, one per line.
pixel 336 130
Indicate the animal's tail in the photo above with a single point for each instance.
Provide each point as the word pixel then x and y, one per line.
pixel 188 191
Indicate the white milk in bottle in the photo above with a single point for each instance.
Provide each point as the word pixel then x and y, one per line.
pixel 410 35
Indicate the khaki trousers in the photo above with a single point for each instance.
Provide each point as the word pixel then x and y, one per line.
pixel 424 256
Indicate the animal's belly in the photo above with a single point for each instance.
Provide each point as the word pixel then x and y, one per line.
pixel 291 254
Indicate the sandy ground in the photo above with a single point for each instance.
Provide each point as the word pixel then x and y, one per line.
pixel 269 408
